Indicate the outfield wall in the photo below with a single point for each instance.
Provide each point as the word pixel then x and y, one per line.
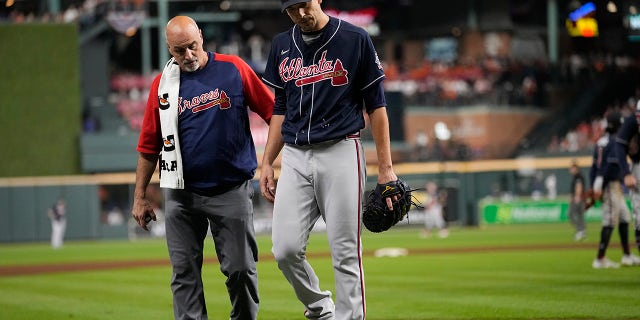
pixel 93 199
pixel 24 203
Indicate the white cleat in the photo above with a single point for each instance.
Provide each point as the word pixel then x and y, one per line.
pixel 604 263
pixel 630 260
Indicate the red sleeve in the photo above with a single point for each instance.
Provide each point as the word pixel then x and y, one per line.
pixel 150 140
pixel 258 96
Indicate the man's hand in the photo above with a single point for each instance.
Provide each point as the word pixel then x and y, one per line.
pixel 267 184
pixel 143 212
pixel 391 199
pixel 630 182
pixel 591 197
pixel 384 177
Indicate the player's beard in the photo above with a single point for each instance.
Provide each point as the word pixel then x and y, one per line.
pixel 191 65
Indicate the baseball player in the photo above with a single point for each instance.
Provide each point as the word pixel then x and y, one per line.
pixel 57 214
pixel 605 181
pixel 196 119
pixel 434 211
pixel 628 144
pixel 576 202
pixel 325 73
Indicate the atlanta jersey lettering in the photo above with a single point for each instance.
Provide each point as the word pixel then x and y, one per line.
pixel 213 122
pixel 323 87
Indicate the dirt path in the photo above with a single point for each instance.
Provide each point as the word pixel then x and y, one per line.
pixel 20 270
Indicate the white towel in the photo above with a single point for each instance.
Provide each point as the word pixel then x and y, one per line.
pixel 171 175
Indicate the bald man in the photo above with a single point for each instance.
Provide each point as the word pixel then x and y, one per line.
pixel 196 130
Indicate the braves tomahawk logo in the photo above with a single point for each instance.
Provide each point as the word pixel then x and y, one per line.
pixel 163 101
pixel 323 70
pixel 169 143
pixel 205 101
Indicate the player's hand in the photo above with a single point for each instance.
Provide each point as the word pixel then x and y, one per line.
pixel 142 212
pixel 387 177
pixel 597 195
pixel 267 183
pixel 630 182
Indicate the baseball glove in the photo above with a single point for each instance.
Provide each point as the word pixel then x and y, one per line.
pixel 590 198
pixel 376 216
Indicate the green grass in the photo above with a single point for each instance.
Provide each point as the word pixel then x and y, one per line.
pixel 439 279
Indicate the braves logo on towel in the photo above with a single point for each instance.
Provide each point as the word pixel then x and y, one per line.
pixel 169 143
pixel 163 101
pixel 323 70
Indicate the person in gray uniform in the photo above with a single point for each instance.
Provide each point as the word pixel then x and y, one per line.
pixel 326 74
pixel 605 176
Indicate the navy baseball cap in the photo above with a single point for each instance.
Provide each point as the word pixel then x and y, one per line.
pixel 287 3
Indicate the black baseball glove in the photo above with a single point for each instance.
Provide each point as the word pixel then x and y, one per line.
pixel 376 216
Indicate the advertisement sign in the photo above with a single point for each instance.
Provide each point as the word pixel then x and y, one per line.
pixel 531 212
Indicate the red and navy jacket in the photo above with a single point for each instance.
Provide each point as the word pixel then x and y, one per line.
pixel 213 122
pixel 323 87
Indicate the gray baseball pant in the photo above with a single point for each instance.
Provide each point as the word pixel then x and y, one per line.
pixel 322 180
pixel 634 194
pixel 230 217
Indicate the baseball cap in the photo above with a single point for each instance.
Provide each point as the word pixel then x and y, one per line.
pixel 287 3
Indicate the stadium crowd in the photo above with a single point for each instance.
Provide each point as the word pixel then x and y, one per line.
pixel 83 12
pixel 488 80
pixel 582 138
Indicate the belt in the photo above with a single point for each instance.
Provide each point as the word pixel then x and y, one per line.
pixel 214 191
pixel 353 135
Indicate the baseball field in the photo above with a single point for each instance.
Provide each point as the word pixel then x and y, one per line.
pixel 533 271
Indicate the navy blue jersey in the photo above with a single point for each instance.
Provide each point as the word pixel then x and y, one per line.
pixel 627 142
pixel 605 162
pixel 216 143
pixel 323 87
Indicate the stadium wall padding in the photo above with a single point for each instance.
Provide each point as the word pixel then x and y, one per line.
pixel 23 201
pixel 23 212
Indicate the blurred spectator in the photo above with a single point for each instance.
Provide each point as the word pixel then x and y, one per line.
pixel 90 123
pixel 421 149
pixel 115 216
pixel 550 184
pixel 584 136
pixel 537 185
pixel 71 14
